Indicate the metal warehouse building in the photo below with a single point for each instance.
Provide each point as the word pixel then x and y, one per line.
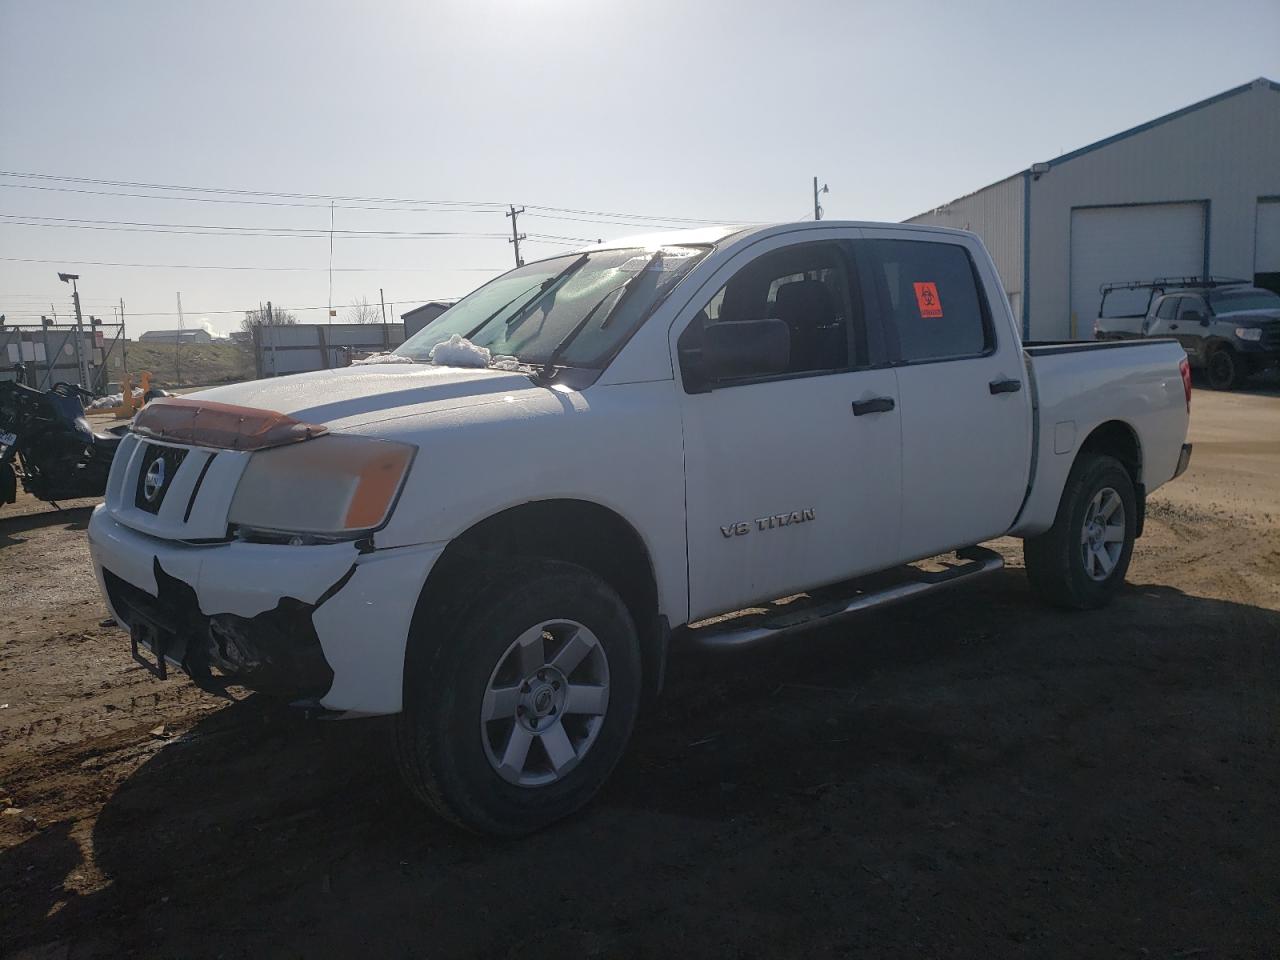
pixel 1191 193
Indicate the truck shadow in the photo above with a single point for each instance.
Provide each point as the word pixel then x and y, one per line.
pixel 931 759
pixel 71 518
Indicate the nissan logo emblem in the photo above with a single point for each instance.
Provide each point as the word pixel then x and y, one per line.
pixel 153 482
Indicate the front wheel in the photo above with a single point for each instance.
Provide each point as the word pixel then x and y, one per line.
pixel 527 703
pixel 1226 369
pixel 1080 561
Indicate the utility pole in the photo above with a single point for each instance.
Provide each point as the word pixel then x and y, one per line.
pixel 382 298
pixel 177 348
pixel 817 207
pixel 331 310
pixel 516 236
pixel 48 357
pixel 124 342
pixel 81 360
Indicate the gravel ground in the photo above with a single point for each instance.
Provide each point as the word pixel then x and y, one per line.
pixel 971 776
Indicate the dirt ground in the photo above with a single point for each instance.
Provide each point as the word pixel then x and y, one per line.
pixel 971 776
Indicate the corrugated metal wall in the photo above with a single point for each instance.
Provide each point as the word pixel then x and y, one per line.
pixel 299 347
pixel 1225 153
pixel 995 214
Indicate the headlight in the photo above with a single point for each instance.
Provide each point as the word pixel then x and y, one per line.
pixel 336 487
pixel 1249 333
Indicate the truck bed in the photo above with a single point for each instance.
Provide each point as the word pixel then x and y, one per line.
pixel 1079 386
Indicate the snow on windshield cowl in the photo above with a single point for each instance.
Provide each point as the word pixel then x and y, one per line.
pixel 458 351
pixel 382 358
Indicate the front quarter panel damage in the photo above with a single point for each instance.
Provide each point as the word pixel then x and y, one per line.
pixel 338 619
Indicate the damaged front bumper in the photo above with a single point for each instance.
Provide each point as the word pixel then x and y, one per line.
pixel 276 651
pixel 322 624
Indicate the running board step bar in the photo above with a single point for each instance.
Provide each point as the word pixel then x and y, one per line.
pixel 881 590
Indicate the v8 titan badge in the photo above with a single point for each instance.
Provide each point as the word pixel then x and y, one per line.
pixel 927 300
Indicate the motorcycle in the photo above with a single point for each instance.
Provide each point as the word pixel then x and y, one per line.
pixel 46 442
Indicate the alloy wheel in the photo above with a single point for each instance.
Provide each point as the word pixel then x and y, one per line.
pixel 1103 533
pixel 545 703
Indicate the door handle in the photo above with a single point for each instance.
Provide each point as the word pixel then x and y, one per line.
pixel 1005 386
pixel 1173 326
pixel 874 405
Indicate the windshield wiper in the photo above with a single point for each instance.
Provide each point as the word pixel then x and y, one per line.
pixel 540 288
pixel 547 286
pixel 485 322
pixel 548 369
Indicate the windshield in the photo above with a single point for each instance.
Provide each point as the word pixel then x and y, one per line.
pixel 1230 301
pixel 532 311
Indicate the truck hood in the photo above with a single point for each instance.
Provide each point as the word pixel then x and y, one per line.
pixel 364 394
pixel 1250 318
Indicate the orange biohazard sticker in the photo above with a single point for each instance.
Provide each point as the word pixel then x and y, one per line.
pixel 927 300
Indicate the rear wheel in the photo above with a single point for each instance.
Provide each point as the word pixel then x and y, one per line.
pixel 1226 369
pixel 1080 561
pixel 527 703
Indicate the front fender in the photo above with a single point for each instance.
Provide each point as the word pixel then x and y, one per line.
pixel 618 446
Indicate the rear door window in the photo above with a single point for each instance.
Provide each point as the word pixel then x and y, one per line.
pixel 930 295
pixel 1168 308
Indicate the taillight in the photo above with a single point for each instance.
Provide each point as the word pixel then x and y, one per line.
pixel 1184 368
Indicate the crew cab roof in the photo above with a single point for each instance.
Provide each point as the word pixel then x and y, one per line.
pixel 719 235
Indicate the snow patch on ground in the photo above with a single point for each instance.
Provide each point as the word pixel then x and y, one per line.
pixel 382 358
pixel 458 351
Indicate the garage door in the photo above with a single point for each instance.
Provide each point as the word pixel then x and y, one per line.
pixel 1130 243
pixel 1266 264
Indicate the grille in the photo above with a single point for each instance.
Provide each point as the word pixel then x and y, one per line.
pixel 159 467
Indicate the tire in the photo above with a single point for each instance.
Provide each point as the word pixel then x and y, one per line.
pixel 465 768
pixel 1057 564
pixel 1226 369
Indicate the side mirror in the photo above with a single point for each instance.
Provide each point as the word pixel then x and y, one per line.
pixel 745 348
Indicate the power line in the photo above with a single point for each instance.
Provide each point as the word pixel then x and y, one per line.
pixel 46 297
pixel 213 229
pixel 241 192
pixel 621 223
pixel 629 220
pixel 534 238
pixel 221 266
pixel 488 205
pixel 642 216
pixel 440 206
pixel 211 313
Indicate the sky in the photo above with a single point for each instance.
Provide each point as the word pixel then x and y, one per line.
pixel 672 111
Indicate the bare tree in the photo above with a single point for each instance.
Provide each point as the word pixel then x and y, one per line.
pixel 278 315
pixel 362 311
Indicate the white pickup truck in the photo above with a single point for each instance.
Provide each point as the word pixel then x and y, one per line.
pixel 497 533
